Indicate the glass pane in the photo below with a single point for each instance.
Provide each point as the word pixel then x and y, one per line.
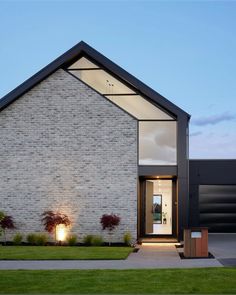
pixel 157 208
pixel 157 143
pixel 139 107
pixel 83 63
pixel 102 82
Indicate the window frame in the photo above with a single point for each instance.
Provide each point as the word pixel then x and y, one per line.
pixel 136 92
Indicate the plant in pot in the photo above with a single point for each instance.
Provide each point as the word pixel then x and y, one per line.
pixel 110 222
pixel 54 222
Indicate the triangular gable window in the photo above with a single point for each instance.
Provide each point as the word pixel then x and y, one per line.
pixel 116 91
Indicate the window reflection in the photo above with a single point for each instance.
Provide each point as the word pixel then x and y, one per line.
pixel 157 143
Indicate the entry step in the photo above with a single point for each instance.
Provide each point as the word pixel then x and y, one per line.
pixel 157 240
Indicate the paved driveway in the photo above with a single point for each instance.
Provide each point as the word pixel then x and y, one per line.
pixel 223 247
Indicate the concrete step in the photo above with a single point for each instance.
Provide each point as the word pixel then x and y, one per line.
pixel 157 240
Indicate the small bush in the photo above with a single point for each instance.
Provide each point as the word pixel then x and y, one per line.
pixel 31 239
pixel 72 240
pixel 17 239
pixel 88 240
pixel 91 240
pixel 37 239
pixel 97 241
pixel 127 238
pixel 41 239
pixel 1 218
pixel 109 221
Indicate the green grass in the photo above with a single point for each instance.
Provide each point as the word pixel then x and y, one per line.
pixel 62 253
pixel 152 281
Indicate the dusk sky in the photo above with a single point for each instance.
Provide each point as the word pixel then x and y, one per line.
pixel 185 50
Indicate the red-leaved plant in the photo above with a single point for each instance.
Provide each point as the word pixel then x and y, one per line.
pixel 6 222
pixel 109 222
pixel 52 219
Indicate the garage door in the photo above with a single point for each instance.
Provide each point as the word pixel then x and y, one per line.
pixel 217 206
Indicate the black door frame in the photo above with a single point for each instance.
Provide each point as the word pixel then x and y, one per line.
pixel 142 195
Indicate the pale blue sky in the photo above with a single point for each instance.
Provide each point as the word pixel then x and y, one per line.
pixel 185 50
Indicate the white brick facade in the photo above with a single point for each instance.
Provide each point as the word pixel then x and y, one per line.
pixel 65 147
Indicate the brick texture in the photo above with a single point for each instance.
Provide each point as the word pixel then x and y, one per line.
pixel 65 147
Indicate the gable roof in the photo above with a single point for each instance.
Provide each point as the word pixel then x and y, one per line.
pixel 83 49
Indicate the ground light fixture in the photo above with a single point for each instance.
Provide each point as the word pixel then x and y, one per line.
pixel 61 233
pixel 161 244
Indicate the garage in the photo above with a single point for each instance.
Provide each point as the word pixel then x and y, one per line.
pixel 217 207
pixel 212 195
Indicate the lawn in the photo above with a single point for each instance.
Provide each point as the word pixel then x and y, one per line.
pixel 63 253
pixel 152 281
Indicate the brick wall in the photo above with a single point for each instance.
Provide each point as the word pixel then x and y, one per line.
pixel 65 147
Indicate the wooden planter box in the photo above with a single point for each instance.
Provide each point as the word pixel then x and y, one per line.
pixel 196 242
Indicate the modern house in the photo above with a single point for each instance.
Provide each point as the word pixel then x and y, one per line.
pixel 86 138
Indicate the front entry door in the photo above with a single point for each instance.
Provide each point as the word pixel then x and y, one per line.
pixel 149 207
pixel 159 208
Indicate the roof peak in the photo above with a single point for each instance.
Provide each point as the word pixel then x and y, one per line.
pixel 80 49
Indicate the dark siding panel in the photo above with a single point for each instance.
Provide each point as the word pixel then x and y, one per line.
pixel 217 218
pixel 216 198
pixel 217 208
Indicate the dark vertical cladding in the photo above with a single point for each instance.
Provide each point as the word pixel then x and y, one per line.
pixel 213 194
pixel 183 174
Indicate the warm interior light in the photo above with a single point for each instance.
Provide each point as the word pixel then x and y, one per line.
pixel 160 244
pixel 61 232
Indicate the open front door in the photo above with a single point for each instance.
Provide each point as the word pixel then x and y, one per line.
pixel 149 207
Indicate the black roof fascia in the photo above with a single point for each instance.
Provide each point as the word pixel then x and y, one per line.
pixel 74 53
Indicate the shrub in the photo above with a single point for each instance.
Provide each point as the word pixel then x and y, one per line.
pixel 17 239
pixel 6 222
pixel 37 239
pixel 1 218
pixel 97 241
pixel 1 215
pixel 109 222
pixel 51 220
pixel 31 239
pixel 88 240
pixel 72 240
pixel 91 240
pixel 127 238
pixel 41 239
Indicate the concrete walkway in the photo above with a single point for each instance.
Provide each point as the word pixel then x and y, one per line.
pixel 148 256
pixel 222 246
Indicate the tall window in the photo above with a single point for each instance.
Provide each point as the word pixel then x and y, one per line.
pixel 157 129
pixel 157 143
